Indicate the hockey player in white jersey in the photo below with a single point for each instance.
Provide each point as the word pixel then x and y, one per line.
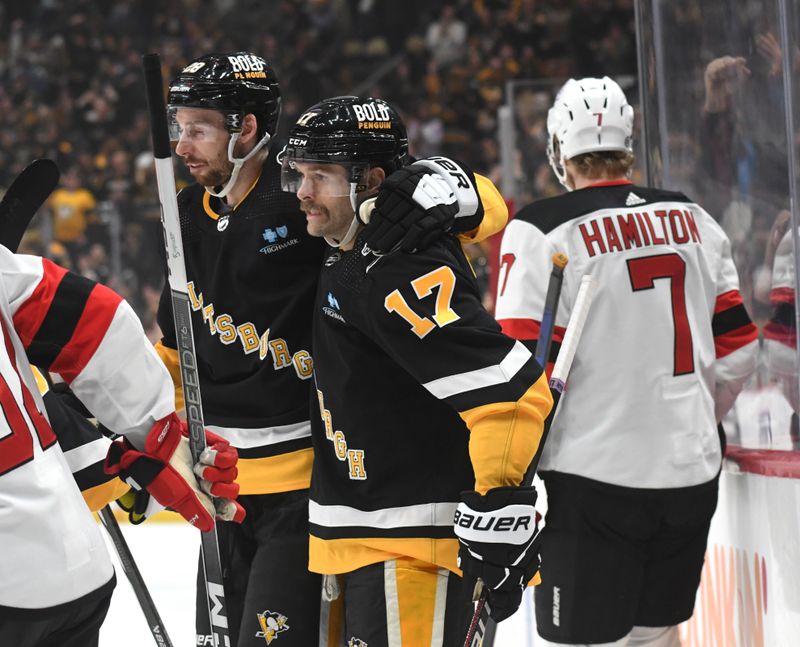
pixel 632 461
pixel 56 576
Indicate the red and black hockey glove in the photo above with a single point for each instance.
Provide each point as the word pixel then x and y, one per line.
pixel 499 536
pixel 164 469
pixel 419 203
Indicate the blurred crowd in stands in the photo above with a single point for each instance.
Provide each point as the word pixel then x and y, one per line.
pixel 71 90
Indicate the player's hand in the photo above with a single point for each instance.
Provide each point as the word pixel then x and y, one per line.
pixel 499 537
pixel 164 469
pixel 216 472
pixel 419 203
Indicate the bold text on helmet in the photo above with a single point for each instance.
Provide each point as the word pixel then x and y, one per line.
pixel 246 63
pixel 371 112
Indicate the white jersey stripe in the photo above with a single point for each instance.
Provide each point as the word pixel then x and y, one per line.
pixel 82 457
pixel 501 373
pixel 425 514
pixel 261 436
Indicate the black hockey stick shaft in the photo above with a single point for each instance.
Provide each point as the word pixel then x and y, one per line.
pixel 27 193
pixel 149 610
pixel 181 309
pixel 550 308
pixel 482 629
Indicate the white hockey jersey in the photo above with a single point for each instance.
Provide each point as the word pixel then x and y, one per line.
pixel 52 550
pixel 667 345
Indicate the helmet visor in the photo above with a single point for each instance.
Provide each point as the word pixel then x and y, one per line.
pixel 322 178
pixel 196 124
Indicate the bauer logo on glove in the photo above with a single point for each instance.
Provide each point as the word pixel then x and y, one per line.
pixel 515 526
pixel 499 536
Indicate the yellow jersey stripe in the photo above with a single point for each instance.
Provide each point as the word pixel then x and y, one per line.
pixel 282 473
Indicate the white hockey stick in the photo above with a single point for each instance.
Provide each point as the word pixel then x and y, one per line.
pixel 182 312
pixel 482 629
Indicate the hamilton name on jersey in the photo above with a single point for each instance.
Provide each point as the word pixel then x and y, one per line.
pixel 606 233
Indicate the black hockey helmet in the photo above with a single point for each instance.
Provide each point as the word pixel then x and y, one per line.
pixel 235 83
pixel 350 131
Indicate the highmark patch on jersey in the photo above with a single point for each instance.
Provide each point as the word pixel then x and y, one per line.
pixel 332 309
pixel 228 331
pixel 277 239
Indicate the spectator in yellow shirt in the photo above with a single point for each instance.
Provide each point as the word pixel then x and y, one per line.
pixel 71 205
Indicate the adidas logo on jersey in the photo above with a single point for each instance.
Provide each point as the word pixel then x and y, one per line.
pixel 633 199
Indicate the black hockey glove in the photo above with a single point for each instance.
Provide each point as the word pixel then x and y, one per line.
pixel 419 203
pixel 499 536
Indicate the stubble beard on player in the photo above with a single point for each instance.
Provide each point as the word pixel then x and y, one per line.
pixel 216 172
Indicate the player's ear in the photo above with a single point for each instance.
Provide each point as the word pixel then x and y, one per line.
pixel 249 128
pixel 375 177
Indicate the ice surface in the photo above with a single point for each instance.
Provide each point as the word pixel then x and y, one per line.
pixel 166 553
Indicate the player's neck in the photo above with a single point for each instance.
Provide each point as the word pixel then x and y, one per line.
pixel 581 182
pixel 244 182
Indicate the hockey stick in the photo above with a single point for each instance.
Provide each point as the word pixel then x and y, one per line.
pixel 27 193
pixel 135 578
pixel 482 628
pixel 550 307
pixel 181 309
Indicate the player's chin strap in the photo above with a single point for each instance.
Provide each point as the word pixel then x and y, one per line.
pixel 352 230
pixel 237 162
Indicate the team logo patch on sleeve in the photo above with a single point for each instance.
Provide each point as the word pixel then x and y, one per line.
pixel 356 642
pixel 272 623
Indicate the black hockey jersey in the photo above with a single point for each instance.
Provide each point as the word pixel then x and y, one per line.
pixel 84 447
pixel 420 396
pixel 252 275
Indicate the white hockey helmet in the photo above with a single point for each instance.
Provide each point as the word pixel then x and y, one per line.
pixel 588 115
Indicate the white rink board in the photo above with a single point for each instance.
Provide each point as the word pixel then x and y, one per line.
pixel 749 595
pixel 166 554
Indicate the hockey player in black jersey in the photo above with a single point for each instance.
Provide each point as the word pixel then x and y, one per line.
pixel 253 272
pixel 427 412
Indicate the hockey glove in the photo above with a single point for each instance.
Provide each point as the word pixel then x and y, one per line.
pixel 499 537
pixel 164 469
pixel 419 203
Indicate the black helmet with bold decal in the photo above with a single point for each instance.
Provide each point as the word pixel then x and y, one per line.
pixel 236 84
pixel 350 130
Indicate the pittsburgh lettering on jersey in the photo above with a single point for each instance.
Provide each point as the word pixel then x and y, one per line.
pixel 607 234
pixel 357 470
pixel 227 331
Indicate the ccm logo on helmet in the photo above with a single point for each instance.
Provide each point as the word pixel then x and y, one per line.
pixel 296 141
pixel 498 524
pixel 246 63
